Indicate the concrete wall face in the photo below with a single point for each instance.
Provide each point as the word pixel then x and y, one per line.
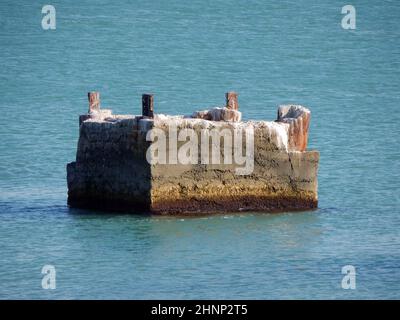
pixel 112 172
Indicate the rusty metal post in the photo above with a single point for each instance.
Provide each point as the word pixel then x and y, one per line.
pixel 232 100
pixel 94 101
pixel 148 105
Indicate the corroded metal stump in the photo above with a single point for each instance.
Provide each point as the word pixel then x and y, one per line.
pixel 148 105
pixel 94 101
pixel 232 100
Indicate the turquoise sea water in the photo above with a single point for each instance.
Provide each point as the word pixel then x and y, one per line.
pixel 189 53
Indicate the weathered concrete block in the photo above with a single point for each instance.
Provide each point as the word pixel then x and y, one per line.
pixel 112 171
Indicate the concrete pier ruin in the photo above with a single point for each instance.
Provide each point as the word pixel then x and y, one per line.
pixel 208 162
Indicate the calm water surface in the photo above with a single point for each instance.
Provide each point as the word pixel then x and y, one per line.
pixel 189 53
